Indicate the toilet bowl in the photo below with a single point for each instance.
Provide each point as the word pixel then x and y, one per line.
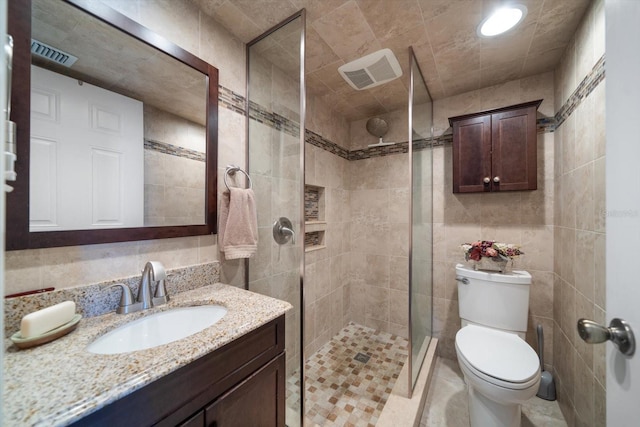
pixel 500 369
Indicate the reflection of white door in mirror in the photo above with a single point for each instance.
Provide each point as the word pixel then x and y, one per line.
pixel 87 156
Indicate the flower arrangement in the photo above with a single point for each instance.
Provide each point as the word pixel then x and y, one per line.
pixel 490 249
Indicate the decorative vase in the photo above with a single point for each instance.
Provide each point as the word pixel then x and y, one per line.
pixel 492 264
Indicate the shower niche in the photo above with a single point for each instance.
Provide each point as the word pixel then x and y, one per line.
pixel 314 218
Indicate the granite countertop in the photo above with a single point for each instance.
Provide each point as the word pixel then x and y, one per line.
pixel 60 382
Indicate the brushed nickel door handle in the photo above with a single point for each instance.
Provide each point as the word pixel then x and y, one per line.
pixel 619 332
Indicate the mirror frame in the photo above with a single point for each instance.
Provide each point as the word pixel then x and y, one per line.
pixel 18 235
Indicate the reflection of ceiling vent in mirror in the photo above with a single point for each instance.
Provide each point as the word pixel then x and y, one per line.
pixel 52 54
pixel 371 70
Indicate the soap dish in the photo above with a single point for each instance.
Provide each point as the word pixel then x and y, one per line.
pixel 47 336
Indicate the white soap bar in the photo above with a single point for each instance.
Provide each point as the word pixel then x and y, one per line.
pixel 49 318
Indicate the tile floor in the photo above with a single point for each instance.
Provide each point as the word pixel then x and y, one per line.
pixel 447 402
pixel 347 392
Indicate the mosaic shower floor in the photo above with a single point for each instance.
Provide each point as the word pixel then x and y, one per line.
pixel 350 378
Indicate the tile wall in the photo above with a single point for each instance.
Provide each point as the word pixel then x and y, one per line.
pixel 378 276
pixel 72 266
pixel 523 217
pixel 327 297
pixel 579 267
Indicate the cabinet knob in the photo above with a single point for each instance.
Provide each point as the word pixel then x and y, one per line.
pixel 486 180
pixel 496 179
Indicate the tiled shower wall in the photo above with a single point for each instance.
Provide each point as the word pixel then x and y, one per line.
pixel 579 268
pixel 327 298
pixel 71 266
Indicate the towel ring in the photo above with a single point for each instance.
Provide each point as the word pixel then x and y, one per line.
pixel 231 170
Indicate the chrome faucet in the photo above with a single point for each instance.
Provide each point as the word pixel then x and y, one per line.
pixel 153 272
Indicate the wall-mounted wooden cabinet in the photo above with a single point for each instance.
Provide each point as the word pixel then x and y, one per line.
pixel 495 150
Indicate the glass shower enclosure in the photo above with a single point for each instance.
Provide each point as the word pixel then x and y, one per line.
pixel 421 235
pixel 275 160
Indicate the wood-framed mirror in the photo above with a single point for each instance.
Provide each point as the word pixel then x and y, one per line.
pixel 144 129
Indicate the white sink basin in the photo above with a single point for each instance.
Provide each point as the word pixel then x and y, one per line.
pixel 158 329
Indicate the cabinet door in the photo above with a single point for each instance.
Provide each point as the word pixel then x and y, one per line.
pixel 514 156
pixel 258 401
pixel 472 154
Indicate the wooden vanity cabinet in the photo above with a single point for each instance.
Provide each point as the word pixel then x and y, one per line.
pixel 241 383
pixel 495 150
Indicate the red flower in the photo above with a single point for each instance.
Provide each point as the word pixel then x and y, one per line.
pixel 476 253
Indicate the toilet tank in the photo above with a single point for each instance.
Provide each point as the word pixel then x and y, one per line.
pixel 494 300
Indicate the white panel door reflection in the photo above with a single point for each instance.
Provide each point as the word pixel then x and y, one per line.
pixel 87 156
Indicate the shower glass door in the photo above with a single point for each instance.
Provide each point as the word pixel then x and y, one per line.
pixel 275 151
pixel 420 255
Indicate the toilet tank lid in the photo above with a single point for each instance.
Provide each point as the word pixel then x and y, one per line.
pixel 515 277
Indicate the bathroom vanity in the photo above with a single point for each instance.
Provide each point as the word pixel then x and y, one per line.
pixel 241 383
pixel 231 373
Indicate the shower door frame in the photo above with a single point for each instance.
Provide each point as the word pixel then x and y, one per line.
pixel 413 62
pixel 302 14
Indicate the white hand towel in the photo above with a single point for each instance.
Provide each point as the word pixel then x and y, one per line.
pixel 238 227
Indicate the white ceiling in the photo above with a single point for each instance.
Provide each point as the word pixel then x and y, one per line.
pixel 453 59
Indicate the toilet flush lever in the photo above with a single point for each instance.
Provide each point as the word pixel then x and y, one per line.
pixel 463 280
pixel 619 332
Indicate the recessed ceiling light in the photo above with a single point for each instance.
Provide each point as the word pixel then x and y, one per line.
pixel 502 20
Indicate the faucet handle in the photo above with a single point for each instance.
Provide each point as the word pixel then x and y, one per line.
pixel 126 298
pixel 160 297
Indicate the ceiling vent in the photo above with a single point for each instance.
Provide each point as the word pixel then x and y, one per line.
pixel 52 54
pixel 371 70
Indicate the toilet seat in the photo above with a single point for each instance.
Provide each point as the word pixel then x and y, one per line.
pixel 500 358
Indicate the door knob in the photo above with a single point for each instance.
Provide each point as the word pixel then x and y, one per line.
pixel 619 332
pixel 496 179
pixel 486 180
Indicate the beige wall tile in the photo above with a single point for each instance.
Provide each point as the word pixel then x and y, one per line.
pixel 580 209
pixel 541 294
pixel 584 142
pixel 600 270
pixel 584 394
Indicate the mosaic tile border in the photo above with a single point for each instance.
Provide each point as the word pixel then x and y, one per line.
pixel 274 120
pixel 319 141
pixel 236 102
pixel 584 89
pixel 174 150
pixel 231 100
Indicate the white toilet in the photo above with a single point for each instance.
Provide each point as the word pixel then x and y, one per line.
pixel 500 369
